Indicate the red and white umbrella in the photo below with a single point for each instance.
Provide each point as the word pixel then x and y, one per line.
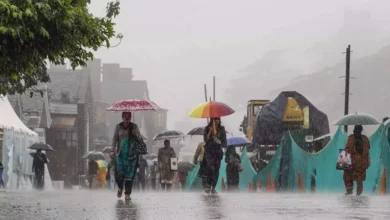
pixel 133 105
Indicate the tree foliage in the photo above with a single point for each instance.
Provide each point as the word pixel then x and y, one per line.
pixel 33 32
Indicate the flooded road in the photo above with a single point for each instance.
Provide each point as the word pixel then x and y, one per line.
pixel 104 205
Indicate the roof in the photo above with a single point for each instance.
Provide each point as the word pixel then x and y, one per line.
pixel 64 80
pixel 25 106
pixel 63 109
pixel 12 121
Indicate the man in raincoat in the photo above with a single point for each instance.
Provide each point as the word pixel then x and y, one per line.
pixel 164 165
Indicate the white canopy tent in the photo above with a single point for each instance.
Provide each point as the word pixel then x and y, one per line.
pixel 9 120
pixel 17 137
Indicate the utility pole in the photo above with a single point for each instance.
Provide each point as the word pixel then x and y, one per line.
pixel 214 88
pixel 205 97
pixel 347 78
pixel 205 92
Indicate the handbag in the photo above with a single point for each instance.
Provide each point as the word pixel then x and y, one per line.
pixel 174 165
pixel 344 160
pixel 141 147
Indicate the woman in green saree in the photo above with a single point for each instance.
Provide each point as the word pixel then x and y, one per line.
pixel 127 144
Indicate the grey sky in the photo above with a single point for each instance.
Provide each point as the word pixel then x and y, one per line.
pixel 178 45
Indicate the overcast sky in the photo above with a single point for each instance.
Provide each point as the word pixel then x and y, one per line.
pixel 178 45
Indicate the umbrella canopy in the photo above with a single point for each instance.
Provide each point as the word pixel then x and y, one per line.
pixel 184 166
pixel 211 110
pixel 357 119
pixel 237 141
pixel 107 149
pixel 170 134
pixel 150 157
pixel 94 155
pixel 102 163
pixel 41 146
pixel 133 105
pixel 198 131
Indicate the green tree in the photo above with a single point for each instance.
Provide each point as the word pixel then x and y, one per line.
pixel 33 32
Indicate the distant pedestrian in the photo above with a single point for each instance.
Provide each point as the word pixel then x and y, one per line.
pixel 142 167
pixel 153 175
pixel 199 158
pixel 2 185
pixel 233 169
pixel 38 168
pixel 164 157
pixel 92 172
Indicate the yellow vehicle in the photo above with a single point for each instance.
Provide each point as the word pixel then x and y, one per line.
pixel 253 108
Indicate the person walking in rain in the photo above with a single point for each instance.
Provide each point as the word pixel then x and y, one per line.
pixel 164 165
pixel 2 185
pixel 127 144
pixel 233 169
pixel 215 139
pixel 142 167
pixel 199 158
pixel 38 168
pixel 153 175
pixel 358 146
pixel 92 172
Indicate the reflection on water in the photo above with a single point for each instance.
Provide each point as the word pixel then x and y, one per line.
pixel 213 207
pixel 126 210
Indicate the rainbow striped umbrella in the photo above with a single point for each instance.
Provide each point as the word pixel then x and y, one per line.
pixel 211 110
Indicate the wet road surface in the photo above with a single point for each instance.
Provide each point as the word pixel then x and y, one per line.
pixel 94 205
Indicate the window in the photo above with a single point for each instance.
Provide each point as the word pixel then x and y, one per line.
pixel 66 137
pixel 257 109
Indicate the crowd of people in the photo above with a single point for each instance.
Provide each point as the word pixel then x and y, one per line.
pixel 128 167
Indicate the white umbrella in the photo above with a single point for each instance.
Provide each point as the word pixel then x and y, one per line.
pixel 357 119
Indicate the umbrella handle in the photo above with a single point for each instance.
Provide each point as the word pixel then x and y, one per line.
pixel 214 128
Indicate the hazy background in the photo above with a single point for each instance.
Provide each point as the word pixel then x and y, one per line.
pixel 255 48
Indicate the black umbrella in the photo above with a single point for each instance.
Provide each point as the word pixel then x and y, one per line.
pixel 41 146
pixel 198 131
pixel 94 155
pixel 171 134
pixel 184 166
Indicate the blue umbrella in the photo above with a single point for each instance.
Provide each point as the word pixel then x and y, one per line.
pixel 237 141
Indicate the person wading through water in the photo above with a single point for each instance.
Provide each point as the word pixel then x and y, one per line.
pixel 215 139
pixel 38 168
pixel 358 146
pixel 127 144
